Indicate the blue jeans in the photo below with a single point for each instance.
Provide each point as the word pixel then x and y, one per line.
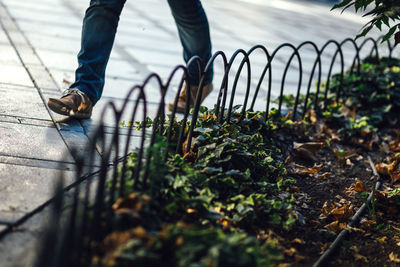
pixel 98 33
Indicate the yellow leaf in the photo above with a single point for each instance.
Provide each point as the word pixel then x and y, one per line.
pixel 382 239
pixel 393 257
pixel 179 241
pixel 298 241
pixel 217 209
pixel 302 170
pixel 368 223
pixel 290 252
pixel 139 232
pixel 335 226
pixel 213 117
pixel 191 211
pixel 360 257
pixel 355 249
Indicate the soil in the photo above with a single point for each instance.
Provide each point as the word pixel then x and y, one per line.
pixel 367 244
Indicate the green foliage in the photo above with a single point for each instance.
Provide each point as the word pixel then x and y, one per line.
pixel 183 245
pixel 382 13
pixel 229 186
pixel 374 93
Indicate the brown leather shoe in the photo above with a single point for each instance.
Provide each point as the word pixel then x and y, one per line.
pixel 73 103
pixel 181 105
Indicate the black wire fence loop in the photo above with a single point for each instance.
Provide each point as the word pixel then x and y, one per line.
pixel 103 178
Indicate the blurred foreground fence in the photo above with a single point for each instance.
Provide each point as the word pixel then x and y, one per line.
pixel 81 216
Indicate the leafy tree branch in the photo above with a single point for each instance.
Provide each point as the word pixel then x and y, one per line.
pixel 383 13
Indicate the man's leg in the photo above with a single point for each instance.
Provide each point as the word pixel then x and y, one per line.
pixel 194 34
pixel 98 34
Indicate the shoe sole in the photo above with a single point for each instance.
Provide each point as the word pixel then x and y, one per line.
pixel 63 110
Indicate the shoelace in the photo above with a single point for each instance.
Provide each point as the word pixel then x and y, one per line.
pixel 74 91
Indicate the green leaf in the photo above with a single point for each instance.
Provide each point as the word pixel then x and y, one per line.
pixel 389 34
pixel 365 31
pixel 386 21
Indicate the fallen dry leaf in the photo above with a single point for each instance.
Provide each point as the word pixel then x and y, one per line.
pixel 184 145
pixel 324 175
pixel 325 246
pixel 298 241
pixel 312 116
pixel 134 202
pixel 307 150
pixel 213 117
pixel 355 249
pixel 335 226
pixel 393 257
pixel 325 209
pixel 179 241
pixel 386 169
pixel 191 211
pixel 359 186
pixel 360 257
pixel 349 191
pixel 354 229
pixel 290 252
pixel 140 232
pixel 368 223
pixel 395 176
pixel 342 214
pixel 382 239
pixel 302 170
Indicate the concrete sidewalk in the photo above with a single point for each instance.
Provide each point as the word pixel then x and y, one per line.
pixel 39 40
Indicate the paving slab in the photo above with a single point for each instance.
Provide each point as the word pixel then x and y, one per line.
pixel 53 43
pixel 8 54
pixel 18 248
pixel 32 141
pixel 40 163
pixel 25 188
pixel 22 102
pixel 14 74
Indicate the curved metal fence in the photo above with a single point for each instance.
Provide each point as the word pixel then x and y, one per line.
pixel 86 210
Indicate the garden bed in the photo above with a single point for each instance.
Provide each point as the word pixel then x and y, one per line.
pixel 264 192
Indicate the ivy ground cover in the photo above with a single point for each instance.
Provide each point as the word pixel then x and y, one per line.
pixel 269 192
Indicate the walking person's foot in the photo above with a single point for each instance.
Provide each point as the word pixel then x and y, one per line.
pixel 181 105
pixel 73 103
